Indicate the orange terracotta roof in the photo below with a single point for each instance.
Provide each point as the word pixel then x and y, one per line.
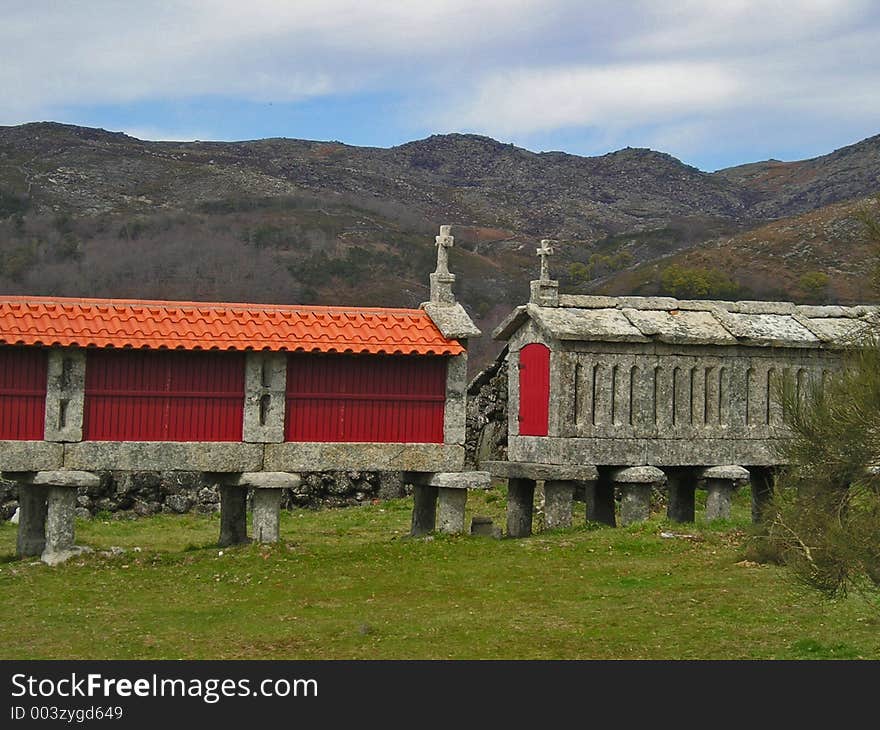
pixel 216 326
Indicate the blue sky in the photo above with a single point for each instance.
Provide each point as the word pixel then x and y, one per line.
pixel 713 83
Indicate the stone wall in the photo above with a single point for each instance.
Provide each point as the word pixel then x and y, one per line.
pixel 717 411
pixel 620 390
pixel 142 493
pixel 487 415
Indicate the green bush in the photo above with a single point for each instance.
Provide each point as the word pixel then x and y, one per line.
pixel 579 273
pixel 825 517
pixel 268 236
pixel 826 509
pixel 133 229
pixel 12 204
pixel 871 222
pixel 357 263
pixel 814 285
pixel 697 283
pixel 15 263
pixel 68 248
pixel 63 223
pixel 599 265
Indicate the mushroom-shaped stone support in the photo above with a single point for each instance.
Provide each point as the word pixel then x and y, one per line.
pixel 635 483
pixel 267 490
pixel 48 507
pixel 720 483
pixel 440 499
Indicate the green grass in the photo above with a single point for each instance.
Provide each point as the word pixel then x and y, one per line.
pixel 351 584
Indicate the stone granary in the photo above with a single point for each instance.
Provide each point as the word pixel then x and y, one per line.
pixel 642 392
pixel 252 394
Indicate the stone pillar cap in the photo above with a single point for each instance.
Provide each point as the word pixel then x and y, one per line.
pixel 263 479
pixel 554 472
pixel 60 478
pixel 638 475
pixel 731 472
pixel 453 479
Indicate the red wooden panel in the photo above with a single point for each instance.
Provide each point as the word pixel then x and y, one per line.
pixel 534 390
pixel 22 393
pixel 361 398
pixel 143 395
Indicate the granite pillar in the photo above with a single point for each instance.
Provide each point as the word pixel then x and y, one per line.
pixel 233 515
pixel 681 486
pixel 635 503
pixel 60 521
pixel 424 515
pixel 558 503
pixel 719 493
pixel 266 514
pixel 520 506
pixel 761 479
pixel 599 498
pixel 32 509
pixel 451 509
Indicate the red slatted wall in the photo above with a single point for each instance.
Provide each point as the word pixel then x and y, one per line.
pixel 360 398
pixel 142 395
pixel 22 393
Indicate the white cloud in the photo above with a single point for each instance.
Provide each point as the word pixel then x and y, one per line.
pixel 611 96
pixel 684 77
pixel 104 52
pixel 741 25
pixel 508 68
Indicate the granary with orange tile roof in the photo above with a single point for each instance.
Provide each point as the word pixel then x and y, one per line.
pixel 252 394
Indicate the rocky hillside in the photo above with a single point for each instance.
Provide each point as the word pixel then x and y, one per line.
pixel 789 188
pixel 817 257
pixel 465 178
pixel 89 212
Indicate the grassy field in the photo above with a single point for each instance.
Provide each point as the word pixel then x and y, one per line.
pixel 351 584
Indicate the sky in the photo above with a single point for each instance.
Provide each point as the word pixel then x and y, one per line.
pixel 714 83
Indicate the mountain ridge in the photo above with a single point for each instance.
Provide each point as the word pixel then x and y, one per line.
pixel 85 211
pixel 597 191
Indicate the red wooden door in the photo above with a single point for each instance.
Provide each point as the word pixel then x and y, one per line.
pixel 148 395
pixel 534 390
pixel 365 398
pixel 22 393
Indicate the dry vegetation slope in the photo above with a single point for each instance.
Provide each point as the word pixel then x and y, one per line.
pixel 780 189
pixel 89 212
pixel 820 256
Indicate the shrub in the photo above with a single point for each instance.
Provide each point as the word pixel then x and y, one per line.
pixel 871 222
pixel 18 261
pixel 825 515
pixel 814 285
pixel 68 248
pixel 697 283
pixel 579 273
pixel 12 204
pixel 599 265
pixel 268 236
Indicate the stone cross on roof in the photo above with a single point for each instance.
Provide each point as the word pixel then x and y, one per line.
pixel 444 243
pixel 441 279
pixel 545 251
